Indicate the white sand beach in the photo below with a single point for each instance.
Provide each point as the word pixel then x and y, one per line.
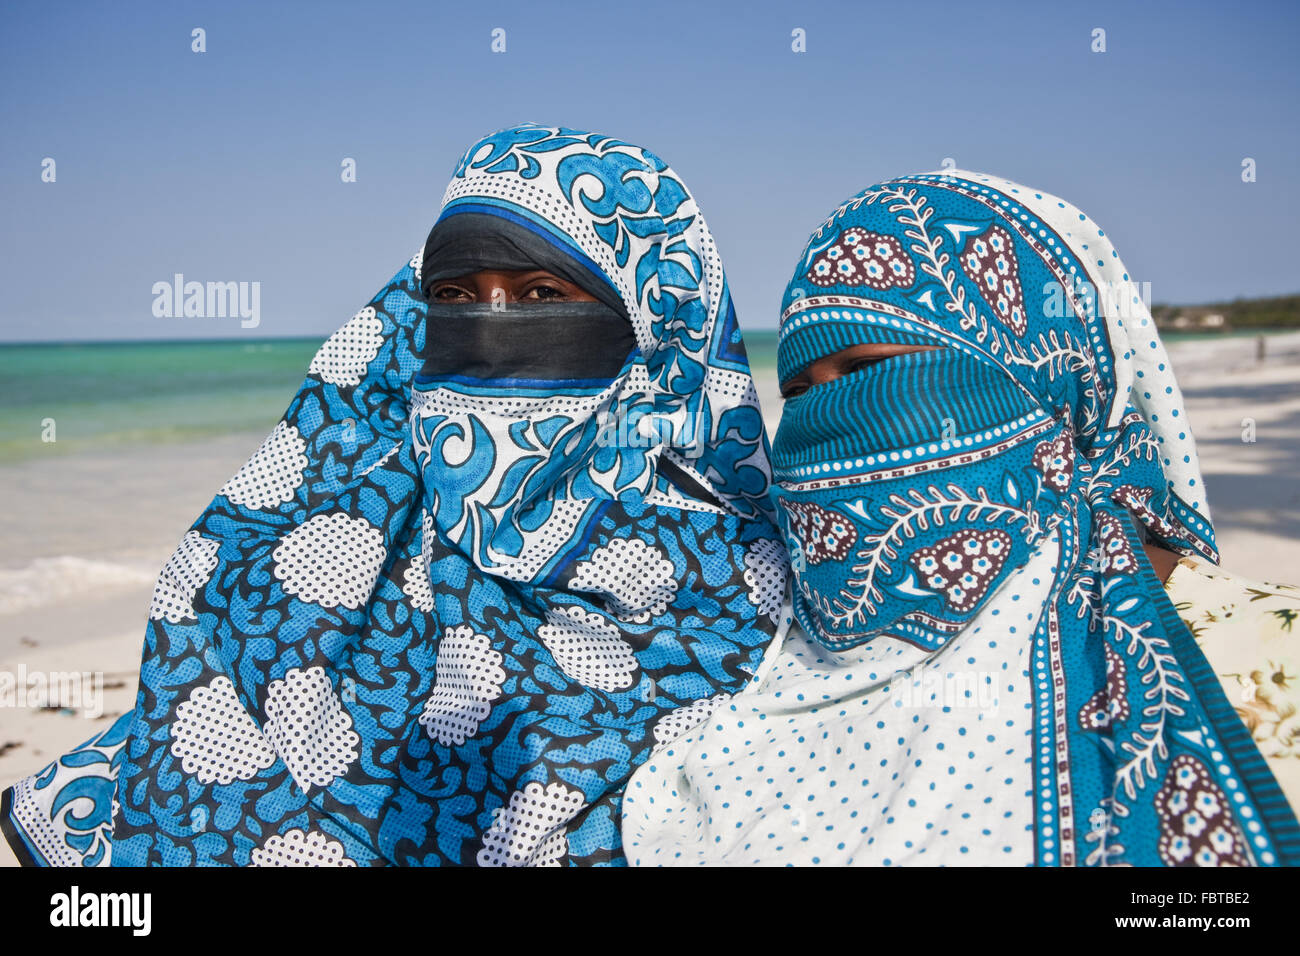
pixel 85 539
pixel 85 535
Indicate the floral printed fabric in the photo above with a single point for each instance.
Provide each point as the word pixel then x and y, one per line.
pixel 1250 633
pixel 440 620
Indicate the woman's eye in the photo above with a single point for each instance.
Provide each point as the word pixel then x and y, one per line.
pixel 450 293
pixel 545 292
pixel 790 391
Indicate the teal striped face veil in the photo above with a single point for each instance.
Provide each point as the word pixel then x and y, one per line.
pixel 1001 484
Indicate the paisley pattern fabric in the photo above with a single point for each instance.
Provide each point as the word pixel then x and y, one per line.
pixel 440 620
pixel 987 484
pixel 990 262
pixel 1048 409
pixel 862 258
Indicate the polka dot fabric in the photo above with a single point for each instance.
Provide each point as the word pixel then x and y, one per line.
pixel 763 575
pixel 215 738
pixel 637 579
pixel 589 649
pixel 675 723
pixel 415 584
pixel 301 848
pixel 188 569
pixel 1142 370
pixel 309 728
pixel 469 680
pixel 885 755
pixel 529 830
pixel 331 560
pixel 346 354
pixel 273 474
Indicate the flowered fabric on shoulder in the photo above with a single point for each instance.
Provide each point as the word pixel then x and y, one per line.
pixel 1250 633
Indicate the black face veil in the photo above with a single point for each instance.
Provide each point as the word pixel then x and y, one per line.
pixel 518 340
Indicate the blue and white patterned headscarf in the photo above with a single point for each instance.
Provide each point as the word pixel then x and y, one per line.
pixel 440 620
pixel 913 490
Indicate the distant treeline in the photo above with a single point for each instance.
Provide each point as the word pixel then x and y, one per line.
pixel 1277 312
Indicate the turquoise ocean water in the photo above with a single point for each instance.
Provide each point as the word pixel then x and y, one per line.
pixel 123 393
pixel 143 392
pixel 106 394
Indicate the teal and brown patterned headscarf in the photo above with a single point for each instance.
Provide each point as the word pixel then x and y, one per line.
pixel 999 482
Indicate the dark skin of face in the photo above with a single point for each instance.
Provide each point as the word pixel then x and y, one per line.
pixel 838 364
pixel 846 361
pixel 524 287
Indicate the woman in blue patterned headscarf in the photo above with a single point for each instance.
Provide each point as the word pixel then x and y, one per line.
pixel 439 618
pixel 979 418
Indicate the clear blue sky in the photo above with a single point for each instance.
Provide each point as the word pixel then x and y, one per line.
pixel 225 165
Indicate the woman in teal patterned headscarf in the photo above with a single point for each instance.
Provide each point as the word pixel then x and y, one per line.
pixel 439 618
pixel 980 416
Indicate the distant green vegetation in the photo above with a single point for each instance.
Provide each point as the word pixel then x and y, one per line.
pixel 1278 312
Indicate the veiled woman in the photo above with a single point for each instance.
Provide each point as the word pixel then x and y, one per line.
pixel 986 478
pixel 514 522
